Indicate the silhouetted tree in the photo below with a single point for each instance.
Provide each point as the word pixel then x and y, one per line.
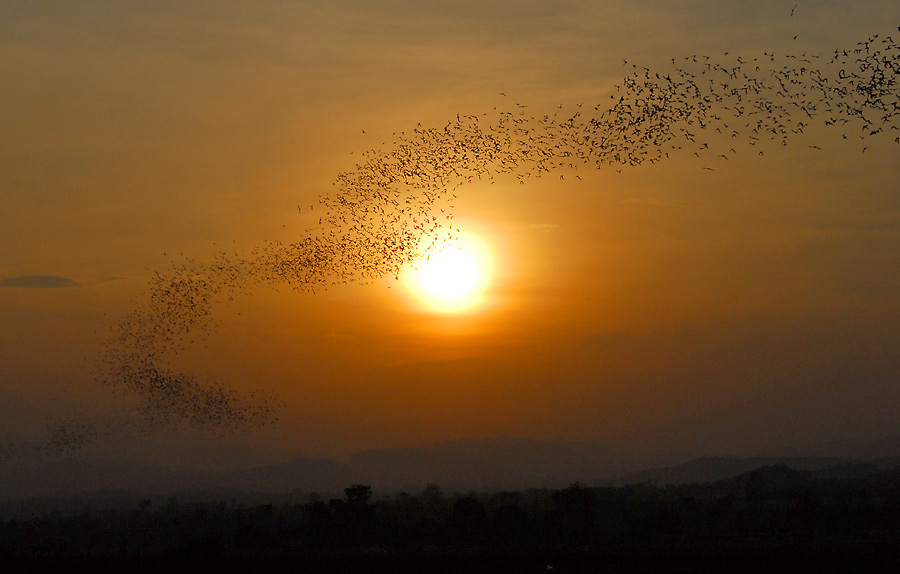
pixel 468 522
pixel 356 514
pixel 573 516
pixel 510 519
pixel 358 496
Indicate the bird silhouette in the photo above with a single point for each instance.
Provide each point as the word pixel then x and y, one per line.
pixel 385 213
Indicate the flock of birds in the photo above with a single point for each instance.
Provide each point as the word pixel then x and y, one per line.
pixel 398 202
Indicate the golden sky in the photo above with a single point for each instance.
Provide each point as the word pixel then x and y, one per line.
pixel 744 307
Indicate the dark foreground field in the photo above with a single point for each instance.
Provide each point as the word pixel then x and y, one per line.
pixel 734 557
pixel 774 519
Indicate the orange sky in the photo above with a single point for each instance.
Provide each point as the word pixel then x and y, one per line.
pixel 732 310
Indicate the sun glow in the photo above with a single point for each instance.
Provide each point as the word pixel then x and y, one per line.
pixel 453 277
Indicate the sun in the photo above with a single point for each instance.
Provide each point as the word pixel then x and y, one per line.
pixel 453 277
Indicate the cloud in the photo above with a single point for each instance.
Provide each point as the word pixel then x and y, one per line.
pixel 655 202
pixel 637 201
pixel 38 282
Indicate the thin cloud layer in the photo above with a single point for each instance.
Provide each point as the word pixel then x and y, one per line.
pixel 38 282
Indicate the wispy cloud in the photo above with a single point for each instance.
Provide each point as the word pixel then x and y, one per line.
pixel 38 282
pixel 655 202
pixel 640 201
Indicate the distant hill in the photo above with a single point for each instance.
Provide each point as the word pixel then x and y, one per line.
pixel 712 468
pixel 496 463
pixel 484 464
pixel 66 477
pixel 302 474
pixel 74 476
pixel 502 462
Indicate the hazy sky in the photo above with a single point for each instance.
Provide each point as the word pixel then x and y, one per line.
pixel 742 308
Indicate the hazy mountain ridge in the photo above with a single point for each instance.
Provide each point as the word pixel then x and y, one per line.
pixel 485 464
pixel 501 462
pixel 712 468
pixel 75 476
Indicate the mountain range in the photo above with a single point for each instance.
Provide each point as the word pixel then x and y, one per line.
pixel 486 464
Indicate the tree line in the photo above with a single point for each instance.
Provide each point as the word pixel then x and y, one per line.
pixel 773 506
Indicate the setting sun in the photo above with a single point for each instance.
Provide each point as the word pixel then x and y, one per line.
pixel 453 277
